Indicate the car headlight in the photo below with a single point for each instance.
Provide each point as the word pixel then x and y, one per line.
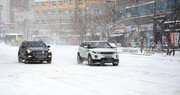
pixel 96 52
pixel 49 51
pixel 28 51
pixel 115 52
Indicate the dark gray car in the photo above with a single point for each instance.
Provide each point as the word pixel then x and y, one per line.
pixel 34 51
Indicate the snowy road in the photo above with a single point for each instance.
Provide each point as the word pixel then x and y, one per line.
pixel 136 75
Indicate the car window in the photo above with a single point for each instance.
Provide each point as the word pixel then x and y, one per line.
pixel 82 45
pixel 36 44
pixel 99 45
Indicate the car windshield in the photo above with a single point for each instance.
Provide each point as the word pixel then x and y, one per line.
pixel 35 44
pixel 99 45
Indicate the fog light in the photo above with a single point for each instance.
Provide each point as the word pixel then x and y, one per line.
pixel 49 55
pixel 29 56
pixel 96 56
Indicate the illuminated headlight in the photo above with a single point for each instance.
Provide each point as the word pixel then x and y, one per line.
pixel 28 51
pixel 49 55
pixel 49 51
pixel 96 52
pixel 29 56
pixel 115 52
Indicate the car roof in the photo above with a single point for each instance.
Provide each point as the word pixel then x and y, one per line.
pixel 94 41
pixel 32 41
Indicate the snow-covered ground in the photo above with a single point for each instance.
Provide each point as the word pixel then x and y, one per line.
pixel 157 74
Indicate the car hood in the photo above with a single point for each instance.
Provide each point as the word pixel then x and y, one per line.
pixel 38 49
pixel 104 50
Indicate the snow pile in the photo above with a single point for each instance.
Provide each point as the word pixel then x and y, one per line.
pixel 136 75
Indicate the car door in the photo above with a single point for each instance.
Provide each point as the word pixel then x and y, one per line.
pixel 86 50
pixel 81 49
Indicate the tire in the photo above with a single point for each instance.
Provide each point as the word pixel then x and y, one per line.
pixel 79 59
pixel 115 64
pixel 26 62
pixel 49 61
pixel 90 61
pixel 20 59
pixel 41 62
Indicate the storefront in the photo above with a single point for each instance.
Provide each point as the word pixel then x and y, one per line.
pixel 173 31
pixel 146 31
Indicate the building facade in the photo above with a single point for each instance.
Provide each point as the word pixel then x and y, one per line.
pixel 60 17
pixel 143 20
pixel 4 16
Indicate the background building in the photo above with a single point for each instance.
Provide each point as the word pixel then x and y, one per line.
pixel 69 20
pixel 4 16
pixel 144 20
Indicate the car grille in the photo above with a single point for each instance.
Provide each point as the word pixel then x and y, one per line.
pixel 39 54
pixel 107 52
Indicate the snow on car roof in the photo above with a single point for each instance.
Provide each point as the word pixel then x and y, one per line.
pixel 95 41
pixel 14 34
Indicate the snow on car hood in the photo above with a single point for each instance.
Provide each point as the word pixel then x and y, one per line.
pixel 38 49
pixel 104 50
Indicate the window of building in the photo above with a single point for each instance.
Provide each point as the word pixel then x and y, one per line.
pixel 121 14
pixel 37 12
pixel 43 12
pixel 53 3
pixel 70 21
pixel 59 21
pixel 43 4
pixel 60 3
pixel 79 2
pixel 160 6
pixel 170 4
pixel 59 12
pixel 54 21
pixel 37 4
pixel 53 12
pixel 96 11
pixel 43 22
pixel 128 13
pixel 146 9
pixel 70 11
pixel 64 2
pixel 80 11
pixel 49 11
pixel 70 2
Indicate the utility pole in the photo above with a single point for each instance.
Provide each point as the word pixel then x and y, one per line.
pixel 85 18
pixel 175 18
pixel 154 22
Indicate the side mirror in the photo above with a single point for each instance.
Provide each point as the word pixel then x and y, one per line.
pixel 23 47
pixel 48 46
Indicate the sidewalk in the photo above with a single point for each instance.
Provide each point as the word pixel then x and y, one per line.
pixel 147 52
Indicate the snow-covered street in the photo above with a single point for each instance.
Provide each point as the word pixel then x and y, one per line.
pixel 157 74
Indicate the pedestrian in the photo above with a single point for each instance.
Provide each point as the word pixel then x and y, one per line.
pixel 152 46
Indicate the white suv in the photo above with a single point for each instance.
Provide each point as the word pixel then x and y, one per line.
pixel 97 52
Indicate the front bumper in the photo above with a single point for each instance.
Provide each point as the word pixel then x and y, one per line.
pixel 106 58
pixel 32 57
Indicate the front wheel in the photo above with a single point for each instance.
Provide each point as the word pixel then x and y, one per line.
pixel 49 61
pixel 115 64
pixel 79 59
pixel 20 59
pixel 26 61
pixel 90 62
